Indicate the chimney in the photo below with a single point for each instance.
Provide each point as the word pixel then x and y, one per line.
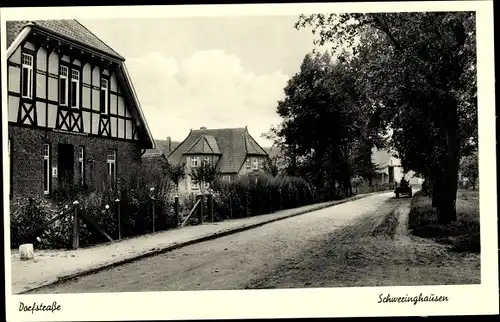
pixel 203 128
pixel 169 144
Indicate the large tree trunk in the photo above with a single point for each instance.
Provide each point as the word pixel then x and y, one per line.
pixel 448 175
pixel 427 185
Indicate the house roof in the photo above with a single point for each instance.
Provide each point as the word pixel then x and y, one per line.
pixel 67 28
pixel 73 31
pixel 273 151
pixel 206 144
pixel 234 144
pixel 161 149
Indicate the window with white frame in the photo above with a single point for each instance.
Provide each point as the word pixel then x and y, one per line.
pixel 111 161
pixel 75 88
pixel 255 164
pixel 226 178
pixel 104 96
pixel 46 168
pixel 81 164
pixel 261 163
pixel 206 160
pixel 27 76
pixel 194 162
pixel 248 163
pixel 63 85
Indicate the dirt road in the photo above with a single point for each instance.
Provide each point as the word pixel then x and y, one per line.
pixel 358 243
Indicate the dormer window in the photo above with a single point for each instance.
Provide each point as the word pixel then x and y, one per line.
pixel 248 163
pixel 75 88
pixel 63 85
pixel 27 76
pixel 104 96
pixel 194 162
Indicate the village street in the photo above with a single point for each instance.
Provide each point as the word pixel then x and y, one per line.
pixel 358 243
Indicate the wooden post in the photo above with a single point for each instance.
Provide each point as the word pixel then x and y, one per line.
pixel 246 205
pixel 281 199
pixel 231 206
pixel 76 226
pixel 176 210
pixel 202 205
pixel 119 218
pixel 153 212
pixel 210 203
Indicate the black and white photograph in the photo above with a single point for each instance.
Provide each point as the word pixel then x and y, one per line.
pixel 310 160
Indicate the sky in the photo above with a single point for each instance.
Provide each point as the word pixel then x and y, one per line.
pixel 216 72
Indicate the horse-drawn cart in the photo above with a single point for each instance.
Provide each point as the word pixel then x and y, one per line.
pixel 404 188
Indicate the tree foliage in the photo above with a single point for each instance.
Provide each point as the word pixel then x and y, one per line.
pixel 176 172
pixel 470 168
pixel 415 72
pixel 326 134
pixel 206 173
pixel 271 166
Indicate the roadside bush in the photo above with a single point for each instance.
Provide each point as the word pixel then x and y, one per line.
pixel 463 234
pixel 262 193
pixel 28 214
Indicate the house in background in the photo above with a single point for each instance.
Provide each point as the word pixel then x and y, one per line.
pixel 233 150
pixel 73 114
pixel 390 170
pixel 158 155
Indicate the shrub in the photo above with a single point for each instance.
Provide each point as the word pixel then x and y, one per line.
pixel 262 193
pixel 28 214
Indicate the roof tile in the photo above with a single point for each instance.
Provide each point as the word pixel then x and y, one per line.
pixel 69 28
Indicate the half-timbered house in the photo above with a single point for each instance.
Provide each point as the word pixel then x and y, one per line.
pixel 73 114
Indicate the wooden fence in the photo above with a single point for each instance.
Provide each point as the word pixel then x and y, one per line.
pixel 77 215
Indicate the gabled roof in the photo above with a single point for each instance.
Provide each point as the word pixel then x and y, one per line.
pixel 234 144
pixel 206 144
pixel 74 32
pixel 68 28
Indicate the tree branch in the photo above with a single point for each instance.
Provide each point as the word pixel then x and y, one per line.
pixel 386 30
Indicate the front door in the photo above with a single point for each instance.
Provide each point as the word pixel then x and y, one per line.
pixel 66 166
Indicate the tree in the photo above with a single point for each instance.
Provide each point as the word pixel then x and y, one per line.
pixel 206 173
pixel 271 166
pixel 417 70
pixel 470 168
pixel 176 172
pixel 324 93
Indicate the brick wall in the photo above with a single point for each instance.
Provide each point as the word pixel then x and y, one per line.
pixel 27 158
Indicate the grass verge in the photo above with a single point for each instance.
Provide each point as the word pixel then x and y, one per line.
pixel 463 234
